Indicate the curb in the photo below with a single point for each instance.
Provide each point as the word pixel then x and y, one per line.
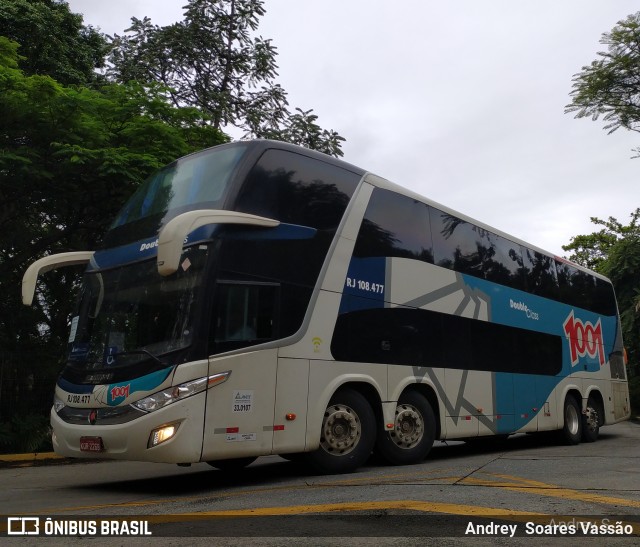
pixel 23 460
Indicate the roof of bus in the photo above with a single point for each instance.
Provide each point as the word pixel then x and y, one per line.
pixel 260 145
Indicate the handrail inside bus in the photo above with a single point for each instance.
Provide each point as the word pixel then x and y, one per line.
pixel 46 264
pixel 171 237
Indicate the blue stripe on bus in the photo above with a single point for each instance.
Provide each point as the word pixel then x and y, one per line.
pixel 528 311
pixel 365 280
pixel 117 393
pixel 144 383
pixel 148 248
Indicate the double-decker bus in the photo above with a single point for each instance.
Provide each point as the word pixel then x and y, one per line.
pixel 259 298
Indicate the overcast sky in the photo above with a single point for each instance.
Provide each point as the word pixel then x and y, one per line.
pixel 463 102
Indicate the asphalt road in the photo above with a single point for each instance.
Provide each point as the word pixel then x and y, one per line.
pixel 482 493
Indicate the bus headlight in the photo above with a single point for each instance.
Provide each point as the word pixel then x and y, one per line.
pixel 177 393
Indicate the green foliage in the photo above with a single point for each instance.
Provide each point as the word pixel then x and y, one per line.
pixel 614 251
pixel 634 395
pixel 301 128
pixel 75 144
pixel 592 249
pixel 53 40
pixel 610 86
pixel 70 157
pixel 211 60
pixel 28 433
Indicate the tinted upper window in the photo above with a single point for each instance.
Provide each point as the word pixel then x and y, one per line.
pixel 297 189
pixel 583 290
pixel 395 225
pixel 541 275
pixel 470 249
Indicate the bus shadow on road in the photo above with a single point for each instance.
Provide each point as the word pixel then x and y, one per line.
pixel 272 470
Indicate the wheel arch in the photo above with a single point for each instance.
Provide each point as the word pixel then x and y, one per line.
pixel 571 390
pixel 369 392
pixel 364 385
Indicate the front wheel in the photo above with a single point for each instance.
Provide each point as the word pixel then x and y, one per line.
pixel 572 430
pixel 413 431
pixel 348 434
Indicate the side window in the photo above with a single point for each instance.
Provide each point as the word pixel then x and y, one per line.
pixel 576 287
pixel 245 314
pixel 604 298
pixel 394 225
pixel 541 275
pixel 466 248
pixel 506 264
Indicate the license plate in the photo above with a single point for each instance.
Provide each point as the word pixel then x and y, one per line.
pixel 91 444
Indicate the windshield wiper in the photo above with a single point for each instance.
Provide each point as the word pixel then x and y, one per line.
pixel 142 352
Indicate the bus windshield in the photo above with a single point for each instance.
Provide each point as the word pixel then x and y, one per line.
pixel 199 180
pixel 131 314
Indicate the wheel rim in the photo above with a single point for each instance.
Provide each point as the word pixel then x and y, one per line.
pixel 591 419
pixel 572 419
pixel 341 430
pixel 408 428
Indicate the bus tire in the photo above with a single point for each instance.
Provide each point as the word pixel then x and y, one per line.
pixel 348 434
pixel 233 464
pixel 591 420
pixel 572 430
pixel 413 434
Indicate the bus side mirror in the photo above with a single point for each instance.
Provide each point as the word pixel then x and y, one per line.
pixel 171 237
pixel 46 264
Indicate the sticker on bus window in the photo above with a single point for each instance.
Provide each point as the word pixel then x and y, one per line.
pixel 74 329
pixel 242 401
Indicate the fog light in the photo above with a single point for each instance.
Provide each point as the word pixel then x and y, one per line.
pixel 162 434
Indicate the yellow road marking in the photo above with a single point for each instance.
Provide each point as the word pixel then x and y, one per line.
pixel 528 486
pixel 407 505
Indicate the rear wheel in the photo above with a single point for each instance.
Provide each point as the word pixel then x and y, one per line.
pixel 591 420
pixel 413 431
pixel 234 464
pixel 348 434
pixel 572 430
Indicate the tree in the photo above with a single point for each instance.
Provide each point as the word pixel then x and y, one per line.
pixel 593 250
pixel 211 60
pixel 610 86
pixel 53 40
pixel 70 157
pixel 301 128
pixel 614 251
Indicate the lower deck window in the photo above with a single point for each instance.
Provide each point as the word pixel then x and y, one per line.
pixel 245 314
pixel 408 336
